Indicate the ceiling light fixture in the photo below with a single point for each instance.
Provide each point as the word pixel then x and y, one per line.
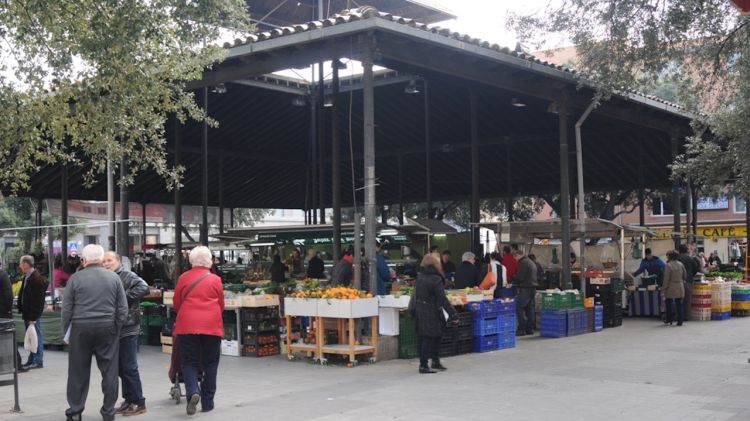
pixel 517 103
pixel 299 101
pixel 219 89
pixel 328 101
pixel 411 87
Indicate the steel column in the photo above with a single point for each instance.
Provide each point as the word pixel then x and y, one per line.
pixel 641 189
pixel 428 160
pixel 111 235
pixel 177 200
pixel 204 181
pixel 321 144
pixel 509 179
pixel 564 191
pixel 369 161
pixel 401 190
pixel 336 164
pixel 221 201
pixel 64 213
pixel 313 159
pixel 474 129
pixel 676 199
pixel 124 239
pixel 143 226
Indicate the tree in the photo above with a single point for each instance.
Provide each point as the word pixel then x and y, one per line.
pixel 602 205
pixel 459 212
pixel 702 47
pixel 90 80
pixel 244 217
pixel 17 212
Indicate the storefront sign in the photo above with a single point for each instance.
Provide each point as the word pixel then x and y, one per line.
pixel 711 203
pixel 708 231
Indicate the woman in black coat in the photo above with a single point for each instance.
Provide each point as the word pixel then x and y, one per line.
pixel 427 305
pixel 278 270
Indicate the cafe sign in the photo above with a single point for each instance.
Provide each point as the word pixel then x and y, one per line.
pixel 708 231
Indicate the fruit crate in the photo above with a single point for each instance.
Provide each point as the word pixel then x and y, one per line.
pixel 598 318
pixel 465 347
pixel 252 314
pixel 407 337
pixel 485 327
pixel 726 315
pixel 448 349
pixel 555 301
pixel 260 339
pixel 740 297
pixel 508 341
pixel 554 323
pixel 617 284
pixel 261 326
pixel 740 313
pixel 484 309
pixel 486 343
pixel 576 321
pixel 261 350
pixel 576 300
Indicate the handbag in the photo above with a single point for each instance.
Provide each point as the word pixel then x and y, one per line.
pixel 490 279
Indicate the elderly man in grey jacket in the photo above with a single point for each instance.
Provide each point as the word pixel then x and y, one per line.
pixel 94 309
pixel 525 280
pixel 135 289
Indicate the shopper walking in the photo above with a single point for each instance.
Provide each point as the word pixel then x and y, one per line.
pixel 94 309
pixel 525 281
pixel 199 303
pixel 135 289
pixel 31 306
pixel 427 306
pixel 675 276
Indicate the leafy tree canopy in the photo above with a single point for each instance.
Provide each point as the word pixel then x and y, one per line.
pixel 86 80
pixel 700 48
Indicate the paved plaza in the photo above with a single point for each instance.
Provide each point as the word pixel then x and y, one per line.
pixel 641 371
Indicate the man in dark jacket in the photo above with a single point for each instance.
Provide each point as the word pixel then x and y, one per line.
pixel 343 271
pixel 525 280
pixel 691 267
pixel 448 266
pixel 31 307
pixel 94 309
pixel 6 296
pixel 315 266
pixel 466 275
pixel 135 289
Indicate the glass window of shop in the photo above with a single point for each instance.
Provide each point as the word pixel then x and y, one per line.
pixel 740 205
pixel 662 206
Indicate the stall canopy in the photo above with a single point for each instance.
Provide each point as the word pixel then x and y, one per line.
pixel 522 232
pixel 426 227
pixel 305 235
pixel 261 149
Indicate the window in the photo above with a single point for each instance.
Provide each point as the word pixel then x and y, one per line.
pixel 740 205
pixel 101 210
pixel 662 206
pixel 91 239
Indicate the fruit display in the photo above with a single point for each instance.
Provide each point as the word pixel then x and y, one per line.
pixel 341 293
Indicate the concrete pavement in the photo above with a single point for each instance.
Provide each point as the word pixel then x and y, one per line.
pixel 640 371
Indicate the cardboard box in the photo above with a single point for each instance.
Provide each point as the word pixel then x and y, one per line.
pixel 388 323
pixel 168 298
pixel 347 309
pixel 230 348
pixel 166 340
pixel 167 349
pixel 393 301
pixel 265 300
pixel 300 306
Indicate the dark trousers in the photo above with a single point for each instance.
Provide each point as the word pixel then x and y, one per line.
pixel 100 340
pixel 429 348
pixel 525 309
pixel 670 315
pixel 196 352
pixel 132 391
pixel 686 302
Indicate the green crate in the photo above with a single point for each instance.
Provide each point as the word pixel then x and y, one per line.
pixel 407 337
pixel 554 301
pixel 575 300
pixel 618 285
pixel 155 320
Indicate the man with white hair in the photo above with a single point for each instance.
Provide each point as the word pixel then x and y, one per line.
pixel 94 309
pixel 135 288
pixel 466 275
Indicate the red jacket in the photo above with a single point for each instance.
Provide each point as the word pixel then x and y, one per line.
pixel 201 312
pixel 511 266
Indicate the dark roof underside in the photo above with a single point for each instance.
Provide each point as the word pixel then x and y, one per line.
pixel 264 141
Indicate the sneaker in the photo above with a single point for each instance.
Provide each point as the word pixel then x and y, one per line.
pixel 192 404
pixel 439 367
pixel 124 406
pixel 32 366
pixel 134 410
pixel 426 370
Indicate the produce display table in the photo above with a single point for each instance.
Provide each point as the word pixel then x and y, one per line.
pixel 51 327
pixel 343 314
pixel 645 303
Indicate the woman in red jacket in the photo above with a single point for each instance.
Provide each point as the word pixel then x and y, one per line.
pixel 199 303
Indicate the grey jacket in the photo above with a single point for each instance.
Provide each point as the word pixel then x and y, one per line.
pixel 526 276
pixel 135 289
pixel 94 295
pixel 674 278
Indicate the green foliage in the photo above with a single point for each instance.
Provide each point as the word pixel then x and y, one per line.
pixel 244 217
pixel 459 212
pixel 17 212
pixel 83 81
pixel 696 52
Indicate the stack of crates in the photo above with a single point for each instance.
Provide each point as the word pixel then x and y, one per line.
pixel 721 300
pixel 576 324
pixel 700 302
pixel 598 318
pixel 458 338
pixel 407 337
pixel 494 325
pixel 609 297
pixel 554 323
pixel 260 331
pixel 152 323
pixel 740 300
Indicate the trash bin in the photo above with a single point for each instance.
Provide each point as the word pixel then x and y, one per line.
pixel 8 354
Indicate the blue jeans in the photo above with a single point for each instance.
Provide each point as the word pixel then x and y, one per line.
pixel 200 352
pixel 38 356
pixel 525 309
pixel 132 391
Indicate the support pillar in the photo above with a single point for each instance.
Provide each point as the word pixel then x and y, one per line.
pixel 111 235
pixel 676 199
pixel 368 93
pixel 428 160
pixel 401 190
pixel 221 201
pixel 64 214
pixel 509 179
pixel 204 181
pixel 688 211
pixel 38 219
pixel 641 189
pixel 694 210
pixel 564 191
pixel 143 226
pixel 177 200
pixel 336 164
pixel 321 145
pixel 313 160
pixel 124 238
pixel 474 129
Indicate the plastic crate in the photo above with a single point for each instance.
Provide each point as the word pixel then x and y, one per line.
pixel 252 314
pixel 576 300
pixel 726 315
pixel 484 309
pixel 740 313
pixel 506 307
pixel 740 297
pixel 465 347
pixel 507 324
pixel 484 327
pixel 261 326
pixel 448 350
pixel 506 342
pixel 486 343
pixel 576 322
pixel 407 337
pixel 555 301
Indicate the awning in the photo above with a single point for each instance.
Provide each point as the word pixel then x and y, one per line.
pixel 523 231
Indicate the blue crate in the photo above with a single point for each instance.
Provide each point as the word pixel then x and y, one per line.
pixel 721 316
pixel 506 324
pixel 486 343
pixel 598 313
pixel 548 332
pixel 484 309
pixel 740 297
pixel 485 327
pixel 554 315
pixel 506 307
pixel 507 341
